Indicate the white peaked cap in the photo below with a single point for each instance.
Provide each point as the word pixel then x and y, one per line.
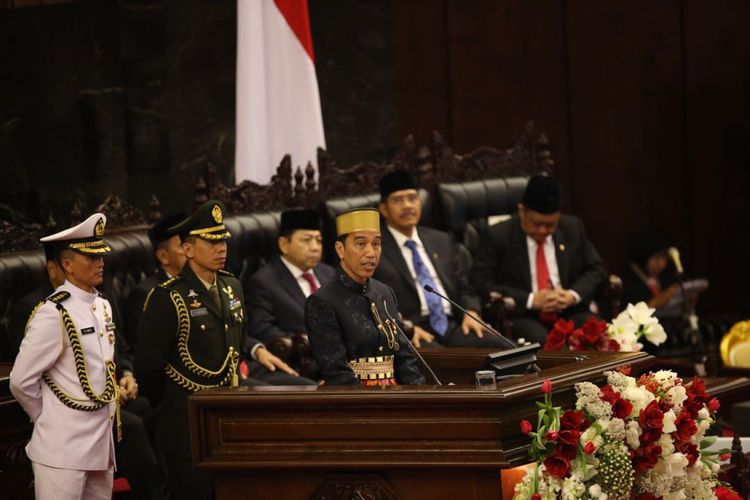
pixel 85 238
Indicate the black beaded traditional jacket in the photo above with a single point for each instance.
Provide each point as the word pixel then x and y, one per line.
pixel 341 328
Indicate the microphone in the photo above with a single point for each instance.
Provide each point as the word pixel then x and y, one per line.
pixel 494 332
pixel 674 254
pixel 411 346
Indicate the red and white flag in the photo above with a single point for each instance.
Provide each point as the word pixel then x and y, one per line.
pixel 278 105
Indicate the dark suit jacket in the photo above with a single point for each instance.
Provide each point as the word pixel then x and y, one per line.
pixel 275 302
pixel 442 251
pixel 212 331
pixel 134 306
pixel 502 263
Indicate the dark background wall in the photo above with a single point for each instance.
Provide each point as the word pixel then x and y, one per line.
pixel 645 104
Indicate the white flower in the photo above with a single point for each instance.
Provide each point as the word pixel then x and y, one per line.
pixel 638 397
pixel 667 445
pixel 595 490
pixel 673 465
pixel 676 495
pixel 641 313
pixel 669 418
pixel 703 413
pixel 655 334
pixel 677 395
pixel 632 434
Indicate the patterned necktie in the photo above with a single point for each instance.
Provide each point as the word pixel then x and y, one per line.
pixel 542 282
pixel 213 290
pixel 438 319
pixel 307 276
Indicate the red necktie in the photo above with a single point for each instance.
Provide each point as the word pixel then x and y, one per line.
pixel 543 281
pixel 310 281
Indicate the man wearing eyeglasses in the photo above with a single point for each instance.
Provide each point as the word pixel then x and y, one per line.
pixel 415 256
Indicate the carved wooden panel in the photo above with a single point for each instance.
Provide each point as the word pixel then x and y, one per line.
pixel 354 487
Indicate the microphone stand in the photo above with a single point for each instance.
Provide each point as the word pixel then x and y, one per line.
pixel 411 346
pixel 690 317
pixel 509 343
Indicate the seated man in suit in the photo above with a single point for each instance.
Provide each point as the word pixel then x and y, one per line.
pixel 275 294
pixel 542 260
pixel 169 261
pixel 415 256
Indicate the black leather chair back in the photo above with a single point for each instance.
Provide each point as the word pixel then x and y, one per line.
pixel 466 206
pixel 254 242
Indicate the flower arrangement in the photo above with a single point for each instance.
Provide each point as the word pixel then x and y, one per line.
pixel 636 322
pixel 633 439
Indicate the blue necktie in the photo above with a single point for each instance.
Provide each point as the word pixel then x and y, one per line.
pixel 438 319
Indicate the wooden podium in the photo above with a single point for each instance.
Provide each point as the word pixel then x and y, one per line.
pixel 404 442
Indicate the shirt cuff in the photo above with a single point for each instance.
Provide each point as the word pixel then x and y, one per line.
pixel 127 373
pixel 255 348
pixel 530 301
pixel 575 294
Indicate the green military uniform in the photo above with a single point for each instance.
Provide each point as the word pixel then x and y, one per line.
pixel 189 341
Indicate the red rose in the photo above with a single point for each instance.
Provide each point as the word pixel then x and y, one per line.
pixel 576 341
pixel 569 437
pixel 689 450
pixel 714 405
pixel 686 426
pixel 569 451
pixel 536 496
pixel 609 395
pixel 525 426
pixel 557 465
pixel 651 417
pixel 573 420
pixel 724 493
pixel 622 408
pixel 649 436
pixel 556 339
pixel 547 386
pixel 589 448
pixel 551 436
pixel 645 457
pixel 593 329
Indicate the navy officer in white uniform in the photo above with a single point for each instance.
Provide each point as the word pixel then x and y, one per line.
pixel 64 375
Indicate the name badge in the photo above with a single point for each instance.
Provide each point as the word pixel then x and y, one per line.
pixel 86 331
pixel 201 311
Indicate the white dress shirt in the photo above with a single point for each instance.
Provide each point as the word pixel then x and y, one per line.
pixel 297 273
pixel 408 257
pixel 554 271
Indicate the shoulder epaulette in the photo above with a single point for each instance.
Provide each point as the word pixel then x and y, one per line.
pixel 58 297
pixel 226 273
pixel 165 284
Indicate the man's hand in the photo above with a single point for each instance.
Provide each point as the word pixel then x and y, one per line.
pixel 545 300
pixel 469 324
pixel 128 388
pixel 564 299
pixel 664 297
pixel 421 335
pixel 271 362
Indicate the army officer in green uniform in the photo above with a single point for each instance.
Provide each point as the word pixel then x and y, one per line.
pixel 189 339
pixel 351 320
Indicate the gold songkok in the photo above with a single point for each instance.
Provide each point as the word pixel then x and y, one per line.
pixel 358 219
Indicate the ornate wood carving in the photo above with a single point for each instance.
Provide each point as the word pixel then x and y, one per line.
pixel 14 238
pixel 431 164
pixel 120 213
pixel 354 486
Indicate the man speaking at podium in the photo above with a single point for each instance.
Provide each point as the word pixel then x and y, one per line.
pixel 352 320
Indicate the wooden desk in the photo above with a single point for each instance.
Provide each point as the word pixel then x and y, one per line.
pixel 437 442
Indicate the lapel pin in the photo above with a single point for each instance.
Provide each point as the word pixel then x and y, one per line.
pixel 562 247
pixel 192 293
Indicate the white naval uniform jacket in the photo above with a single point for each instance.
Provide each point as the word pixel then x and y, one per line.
pixel 63 437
